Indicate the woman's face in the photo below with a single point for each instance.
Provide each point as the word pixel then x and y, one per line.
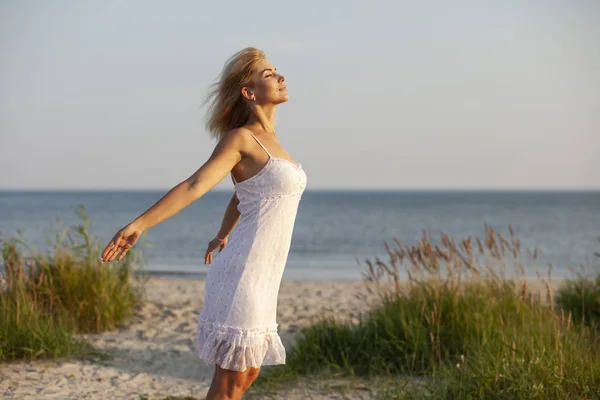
pixel 268 86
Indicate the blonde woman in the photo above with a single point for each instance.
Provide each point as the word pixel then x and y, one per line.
pixel 237 331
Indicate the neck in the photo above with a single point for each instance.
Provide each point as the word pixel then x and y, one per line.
pixel 263 116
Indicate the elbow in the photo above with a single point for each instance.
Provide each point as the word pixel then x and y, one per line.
pixel 193 189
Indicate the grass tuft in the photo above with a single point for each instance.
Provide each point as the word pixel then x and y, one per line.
pixel 581 298
pixel 47 298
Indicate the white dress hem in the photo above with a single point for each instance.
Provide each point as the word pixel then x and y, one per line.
pixel 237 349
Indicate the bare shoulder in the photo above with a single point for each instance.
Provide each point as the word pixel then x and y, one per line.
pixel 238 139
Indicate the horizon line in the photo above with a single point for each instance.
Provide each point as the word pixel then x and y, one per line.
pixel 406 189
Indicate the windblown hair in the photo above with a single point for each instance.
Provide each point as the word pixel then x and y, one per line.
pixel 227 108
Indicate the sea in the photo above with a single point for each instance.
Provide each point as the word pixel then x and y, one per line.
pixel 336 232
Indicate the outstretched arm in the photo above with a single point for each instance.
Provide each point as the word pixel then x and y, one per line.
pixel 225 156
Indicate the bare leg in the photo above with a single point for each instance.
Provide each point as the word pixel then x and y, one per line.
pixel 231 385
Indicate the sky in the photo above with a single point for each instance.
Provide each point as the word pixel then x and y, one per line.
pixel 502 94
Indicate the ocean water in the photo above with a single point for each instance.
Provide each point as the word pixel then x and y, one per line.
pixel 335 231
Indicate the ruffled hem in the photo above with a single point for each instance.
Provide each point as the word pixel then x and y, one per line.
pixel 236 348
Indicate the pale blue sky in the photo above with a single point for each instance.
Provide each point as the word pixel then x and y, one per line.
pixel 384 95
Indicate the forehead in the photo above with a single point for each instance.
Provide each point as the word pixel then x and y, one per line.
pixel 261 65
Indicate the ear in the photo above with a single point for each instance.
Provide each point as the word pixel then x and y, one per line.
pixel 247 93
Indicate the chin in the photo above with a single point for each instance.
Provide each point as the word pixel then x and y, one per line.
pixel 282 99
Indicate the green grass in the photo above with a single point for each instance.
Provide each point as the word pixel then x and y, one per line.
pixel 459 330
pixel 581 297
pixel 48 298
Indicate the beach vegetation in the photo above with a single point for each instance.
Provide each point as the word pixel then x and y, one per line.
pixel 463 322
pixel 580 296
pixel 47 298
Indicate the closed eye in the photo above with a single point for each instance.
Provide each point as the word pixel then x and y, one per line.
pixel 270 73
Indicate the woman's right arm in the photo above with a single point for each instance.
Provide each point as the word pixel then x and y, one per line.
pixel 227 153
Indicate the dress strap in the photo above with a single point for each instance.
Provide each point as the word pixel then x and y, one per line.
pixel 258 141
pixel 261 145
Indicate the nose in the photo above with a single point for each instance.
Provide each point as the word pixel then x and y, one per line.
pixel 281 78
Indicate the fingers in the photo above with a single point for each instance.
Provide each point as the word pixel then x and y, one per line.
pixel 123 248
pixel 112 253
pixel 208 256
pixel 118 244
pixel 108 250
pixel 212 246
pixel 116 249
pixel 111 250
pixel 126 248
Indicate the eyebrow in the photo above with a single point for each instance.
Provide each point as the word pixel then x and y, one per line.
pixel 267 69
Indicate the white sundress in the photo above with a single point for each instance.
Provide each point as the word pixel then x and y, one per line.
pixel 237 325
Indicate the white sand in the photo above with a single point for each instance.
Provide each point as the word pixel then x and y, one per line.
pixel 154 353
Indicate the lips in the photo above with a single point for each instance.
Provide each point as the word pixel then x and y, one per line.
pixel 283 88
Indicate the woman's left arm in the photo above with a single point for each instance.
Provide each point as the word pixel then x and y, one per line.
pixel 230 219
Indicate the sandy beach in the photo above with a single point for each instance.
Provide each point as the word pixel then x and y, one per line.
pixel 154 353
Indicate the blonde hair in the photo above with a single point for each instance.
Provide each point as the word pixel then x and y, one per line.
pixel 227 107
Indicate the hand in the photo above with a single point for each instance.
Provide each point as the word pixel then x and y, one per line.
pixel 212 246
pixel 123 240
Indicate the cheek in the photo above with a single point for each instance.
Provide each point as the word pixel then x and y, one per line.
pixel 267 87
pixel 272 86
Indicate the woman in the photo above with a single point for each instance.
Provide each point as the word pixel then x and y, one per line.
pixel 236 328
